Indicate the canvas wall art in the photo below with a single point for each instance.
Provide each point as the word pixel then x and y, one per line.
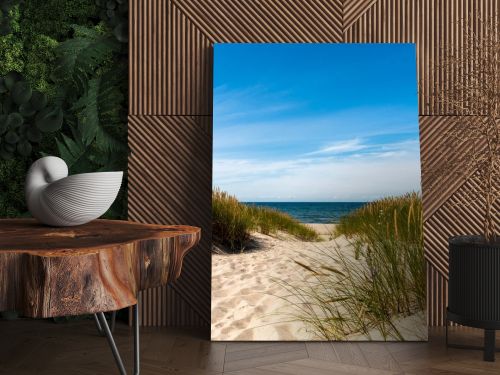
pixel 316 204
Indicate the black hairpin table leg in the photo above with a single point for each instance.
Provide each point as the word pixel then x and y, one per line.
pixel 113 324
pixel 103 325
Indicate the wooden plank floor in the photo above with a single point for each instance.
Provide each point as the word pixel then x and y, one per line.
pixel 42 347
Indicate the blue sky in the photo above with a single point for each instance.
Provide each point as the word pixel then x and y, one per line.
pixel 315 122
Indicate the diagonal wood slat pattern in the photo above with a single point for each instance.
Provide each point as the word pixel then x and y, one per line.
pixel 353 9
pixel 433 153
pixel 172 184
pixel 459 215
pixel 171 100
pixel 189 68
pixel 262 21
pixel 433 26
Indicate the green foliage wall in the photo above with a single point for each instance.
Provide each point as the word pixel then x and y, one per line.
pixel 63 91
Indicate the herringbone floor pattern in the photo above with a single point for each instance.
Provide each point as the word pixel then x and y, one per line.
pixel 42 347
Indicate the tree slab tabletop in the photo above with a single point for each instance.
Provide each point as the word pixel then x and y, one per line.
pixel 100 266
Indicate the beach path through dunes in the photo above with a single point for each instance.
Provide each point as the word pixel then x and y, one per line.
pixel 246 300
pixel 248 304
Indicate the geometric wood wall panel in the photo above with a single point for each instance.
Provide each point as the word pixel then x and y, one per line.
pixel 457 216
pixel 437 297
pixel 193 28
pixel 171 184
pixel 433 153
pixel 170 71
pixel 264 21
pixel 189 67
pixel 432 25
pixel 171 106
pixel 353 10
pixel 147 57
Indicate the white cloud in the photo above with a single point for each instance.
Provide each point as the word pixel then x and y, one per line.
pixel 358 178
pixel 349 145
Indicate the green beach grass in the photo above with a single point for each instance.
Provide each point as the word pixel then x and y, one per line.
pixel 383 283
pixel 233 222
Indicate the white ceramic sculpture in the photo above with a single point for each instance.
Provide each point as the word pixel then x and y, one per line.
pixel 56 199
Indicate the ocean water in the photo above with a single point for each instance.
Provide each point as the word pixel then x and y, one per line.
pixel 313 212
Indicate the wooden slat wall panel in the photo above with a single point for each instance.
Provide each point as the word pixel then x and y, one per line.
pixel 189 69
pixel 263 21
pixel 353 9
pixel 180 46
pixel 171 165
pixel 148 58
pixel 171 98
pixel 437 297
pixel 460 214
pixel 432 25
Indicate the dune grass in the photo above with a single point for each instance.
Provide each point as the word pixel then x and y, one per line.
pixel 233 221
pixel 381 282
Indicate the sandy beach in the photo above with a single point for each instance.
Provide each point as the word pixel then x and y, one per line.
pixel 247 303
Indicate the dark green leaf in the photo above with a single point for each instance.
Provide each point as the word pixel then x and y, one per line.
pixel 11 78
pixel 8 105
pixel 80 56
pixel 3 123
pixel 4 154
pixel 11 137
pixel 3 88
pixel 73 152
pixel 21 92
pixel 98 113
pixel 24 148
pixel 49 119
pixel 38 100
pixel 27 109
pixel 14 120
pixel 33 134
pixel 121 32
pixel 9 147
pixel 5 29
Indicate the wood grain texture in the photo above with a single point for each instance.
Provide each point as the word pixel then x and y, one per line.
pixel 99 266
pixel 170 74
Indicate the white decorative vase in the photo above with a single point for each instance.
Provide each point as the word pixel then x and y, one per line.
pixel 56 199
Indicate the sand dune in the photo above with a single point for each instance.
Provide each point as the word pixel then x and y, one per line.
pixel 246 303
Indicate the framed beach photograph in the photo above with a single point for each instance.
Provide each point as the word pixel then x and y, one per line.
pixel 316 203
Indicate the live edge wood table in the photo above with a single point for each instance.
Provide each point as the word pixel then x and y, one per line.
pixel 89 269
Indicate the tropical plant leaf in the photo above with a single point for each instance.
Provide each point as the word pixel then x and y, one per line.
pixel 80 56
pixel 24 148
pixel 98 114
pixel 74 152
pixel 21 92
pixel 49 119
